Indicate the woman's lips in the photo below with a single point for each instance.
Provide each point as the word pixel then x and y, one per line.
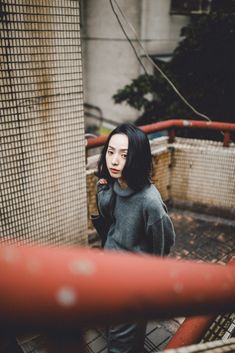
pixel 114 171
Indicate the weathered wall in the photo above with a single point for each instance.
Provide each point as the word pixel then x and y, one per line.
pixel 203 174
pixel 42 150
pixel 109 61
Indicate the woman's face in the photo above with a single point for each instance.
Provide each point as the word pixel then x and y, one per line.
pixel 116 155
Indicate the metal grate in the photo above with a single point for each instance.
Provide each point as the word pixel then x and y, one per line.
pixel 221 329
pixel 42 151
pixel 209 347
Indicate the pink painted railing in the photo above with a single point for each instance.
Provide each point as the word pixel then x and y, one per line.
pixel 170 125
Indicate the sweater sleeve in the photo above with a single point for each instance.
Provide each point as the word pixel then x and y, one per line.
pixel 161 235
pixel 105 200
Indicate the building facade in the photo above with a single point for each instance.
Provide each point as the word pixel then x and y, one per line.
pixel 108 59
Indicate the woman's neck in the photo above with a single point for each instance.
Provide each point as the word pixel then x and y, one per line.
pixel 122 183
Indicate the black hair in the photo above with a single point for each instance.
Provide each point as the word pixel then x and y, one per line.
pixel 138 167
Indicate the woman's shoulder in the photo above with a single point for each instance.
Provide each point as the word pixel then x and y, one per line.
pixel 152 198
pixel 150 192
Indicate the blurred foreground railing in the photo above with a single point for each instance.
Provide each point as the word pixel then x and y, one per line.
pixel 193 328
pixel 170 125
pixel 62 289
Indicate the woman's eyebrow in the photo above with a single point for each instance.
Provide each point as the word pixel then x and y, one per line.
pixel 121 149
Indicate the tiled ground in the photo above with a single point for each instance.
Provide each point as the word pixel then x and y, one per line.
pixel 203 237
pixel 157 335
pixel 199 237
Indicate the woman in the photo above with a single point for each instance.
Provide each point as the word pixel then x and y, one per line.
pixel 137 217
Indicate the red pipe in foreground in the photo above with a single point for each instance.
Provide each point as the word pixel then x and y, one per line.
pixel 193 328
pixel 164 125
pixel 63 288
pixel 190 332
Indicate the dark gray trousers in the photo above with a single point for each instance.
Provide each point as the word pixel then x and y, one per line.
pixel 126 338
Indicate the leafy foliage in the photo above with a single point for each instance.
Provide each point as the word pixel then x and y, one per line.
pixel 202 68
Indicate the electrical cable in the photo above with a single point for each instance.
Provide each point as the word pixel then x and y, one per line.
pixel 126 35
pixel 151 60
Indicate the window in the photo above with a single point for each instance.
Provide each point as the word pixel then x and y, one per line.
pixel 190 7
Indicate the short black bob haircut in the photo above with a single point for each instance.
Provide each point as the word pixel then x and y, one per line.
pixel 138 167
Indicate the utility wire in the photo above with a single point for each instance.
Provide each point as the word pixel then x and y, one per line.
pixel 150 59
pixel 127 37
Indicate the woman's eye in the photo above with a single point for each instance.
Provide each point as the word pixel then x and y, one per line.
pixel 124 155
pixel 110 152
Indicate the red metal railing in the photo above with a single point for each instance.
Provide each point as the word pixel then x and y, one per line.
pixel 193 328
pixel 170 125
pixel 55 289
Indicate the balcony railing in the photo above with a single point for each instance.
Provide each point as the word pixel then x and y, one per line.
pixel 170 125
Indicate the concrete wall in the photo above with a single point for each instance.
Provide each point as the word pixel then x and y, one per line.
pixel 159 29
pixel 109 62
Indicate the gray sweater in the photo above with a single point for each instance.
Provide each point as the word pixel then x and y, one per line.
pixel 140 220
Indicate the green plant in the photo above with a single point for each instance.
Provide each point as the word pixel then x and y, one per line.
pixel 202 68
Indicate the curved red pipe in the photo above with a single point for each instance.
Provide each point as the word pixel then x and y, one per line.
pixel 64 288
pixel 192 329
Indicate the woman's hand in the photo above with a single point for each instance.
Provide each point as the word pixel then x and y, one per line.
pixel 102 181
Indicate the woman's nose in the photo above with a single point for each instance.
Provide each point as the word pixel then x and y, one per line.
pixel 115 160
